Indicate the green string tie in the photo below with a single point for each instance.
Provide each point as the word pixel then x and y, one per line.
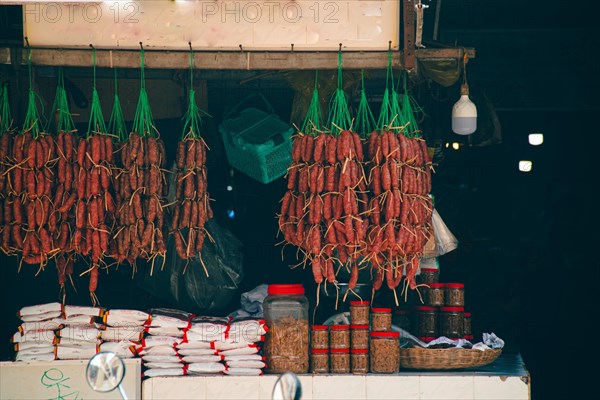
pixel 96 123
pixel 5 115
pixel 116 123
pixel 192 120
pixel 339 114
pixel 364 122
pixel 143 123
pixel 314 116
pixel 32 122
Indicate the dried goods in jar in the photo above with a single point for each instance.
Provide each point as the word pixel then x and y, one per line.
pixel 381 319
pixel 385 352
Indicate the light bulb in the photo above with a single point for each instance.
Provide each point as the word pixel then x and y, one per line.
pixel 464 113
pixel 525 165
pixel 456 146
pixel 535 139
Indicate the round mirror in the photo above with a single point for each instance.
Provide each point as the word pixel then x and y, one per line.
pixel 287 387
pixel 105 372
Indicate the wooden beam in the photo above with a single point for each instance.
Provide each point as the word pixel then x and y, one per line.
pixel 221 60
pixel 408 29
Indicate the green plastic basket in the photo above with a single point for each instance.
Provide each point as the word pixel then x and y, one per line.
pixel 257 143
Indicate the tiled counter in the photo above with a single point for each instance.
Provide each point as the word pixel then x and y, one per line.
pixel 506 378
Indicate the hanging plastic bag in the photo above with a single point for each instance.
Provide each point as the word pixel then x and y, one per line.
pixel 442 241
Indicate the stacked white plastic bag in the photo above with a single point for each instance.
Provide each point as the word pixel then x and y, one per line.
pixel 79 336
pixel 164 330
pixel 35 339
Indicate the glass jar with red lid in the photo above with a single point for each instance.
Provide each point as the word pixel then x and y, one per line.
pixel 452 322
pixel 434 295
pixel 319 361
pixel 359 335
pixel 425 321
pixel 454 295
pixel 428 275
pixel 319 337
pixel 359 312
pixel 339 337
pixel 359 361
pixel 339 361
pixel 385 352
pixel 381 319
pixel 286 346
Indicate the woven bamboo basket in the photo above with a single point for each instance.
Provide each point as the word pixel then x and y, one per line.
pixel 422 358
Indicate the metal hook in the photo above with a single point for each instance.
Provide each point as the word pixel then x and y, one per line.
pixel 241 48
pixel 292 47
pixel 141 46
pixel 92 46
pixel 27 41
pixel 190 43
pixel 340 47
pixel 390 45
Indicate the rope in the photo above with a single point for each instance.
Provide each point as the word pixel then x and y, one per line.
pixel 193 116
pixel 386 113
pixel 5 116
pixel 312 121
pixel 116 123
pixel 364 122
pixel 96 123
pixel 411 110
pixel 32 119
pixel 143 123
pixel 339 114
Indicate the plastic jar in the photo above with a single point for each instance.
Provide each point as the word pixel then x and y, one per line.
pixel 452 322
pixel 425 321
pixel 467 326
pixel 401 319
pixel 360 361
pixel 434 295
pixel 385 352
pixel 319 337
pixel 359 312
pixel 339 361
pixel 339 337
pixel 455 294
pixel 319 361
pixel 286 343
pixel 381 319
pixel 428 275
pixel 359 336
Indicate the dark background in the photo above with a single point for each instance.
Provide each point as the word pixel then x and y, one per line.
pixel 526 240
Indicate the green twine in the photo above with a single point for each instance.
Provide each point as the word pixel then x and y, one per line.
pixel 5 116
pixel 193 116
pixel 388 115
pixel 339 114
pixel 312 121
pixel 364 122
pixel 32 122
pixel 410 109
pixel 116 123
pixel 60 108
pixel 96 123
pixel 143 123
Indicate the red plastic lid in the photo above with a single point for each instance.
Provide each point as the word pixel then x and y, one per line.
pixel 402 312
pixel 429 270
pixel 319 351
pixel 469 337
pixel 381 310
pixel 360 351
pixel 467 314
pixel 386 334
pixel 455 338
pixel 359 303
pixel 427 338
pixel 436 285
pixel 319 327
pixel 286 289
pixel 455 285
pixel 453 309
pixel 339 327
pixel 359 326
pixel 424 308
pixel 339 351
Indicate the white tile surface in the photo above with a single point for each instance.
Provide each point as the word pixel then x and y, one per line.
pixel 265 386
pixel 381 387
pixel 175 388
pixel 343 387
pixel 500 388
pixel 445 387
pixel 234 388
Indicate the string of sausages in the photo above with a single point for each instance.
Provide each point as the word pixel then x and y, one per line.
pixel 192 206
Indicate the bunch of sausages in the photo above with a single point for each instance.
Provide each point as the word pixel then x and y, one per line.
pixel 140 191
pixel 32 222
pixel 333 211
pixel 399 206
pixel 192 204
pixel 323 210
